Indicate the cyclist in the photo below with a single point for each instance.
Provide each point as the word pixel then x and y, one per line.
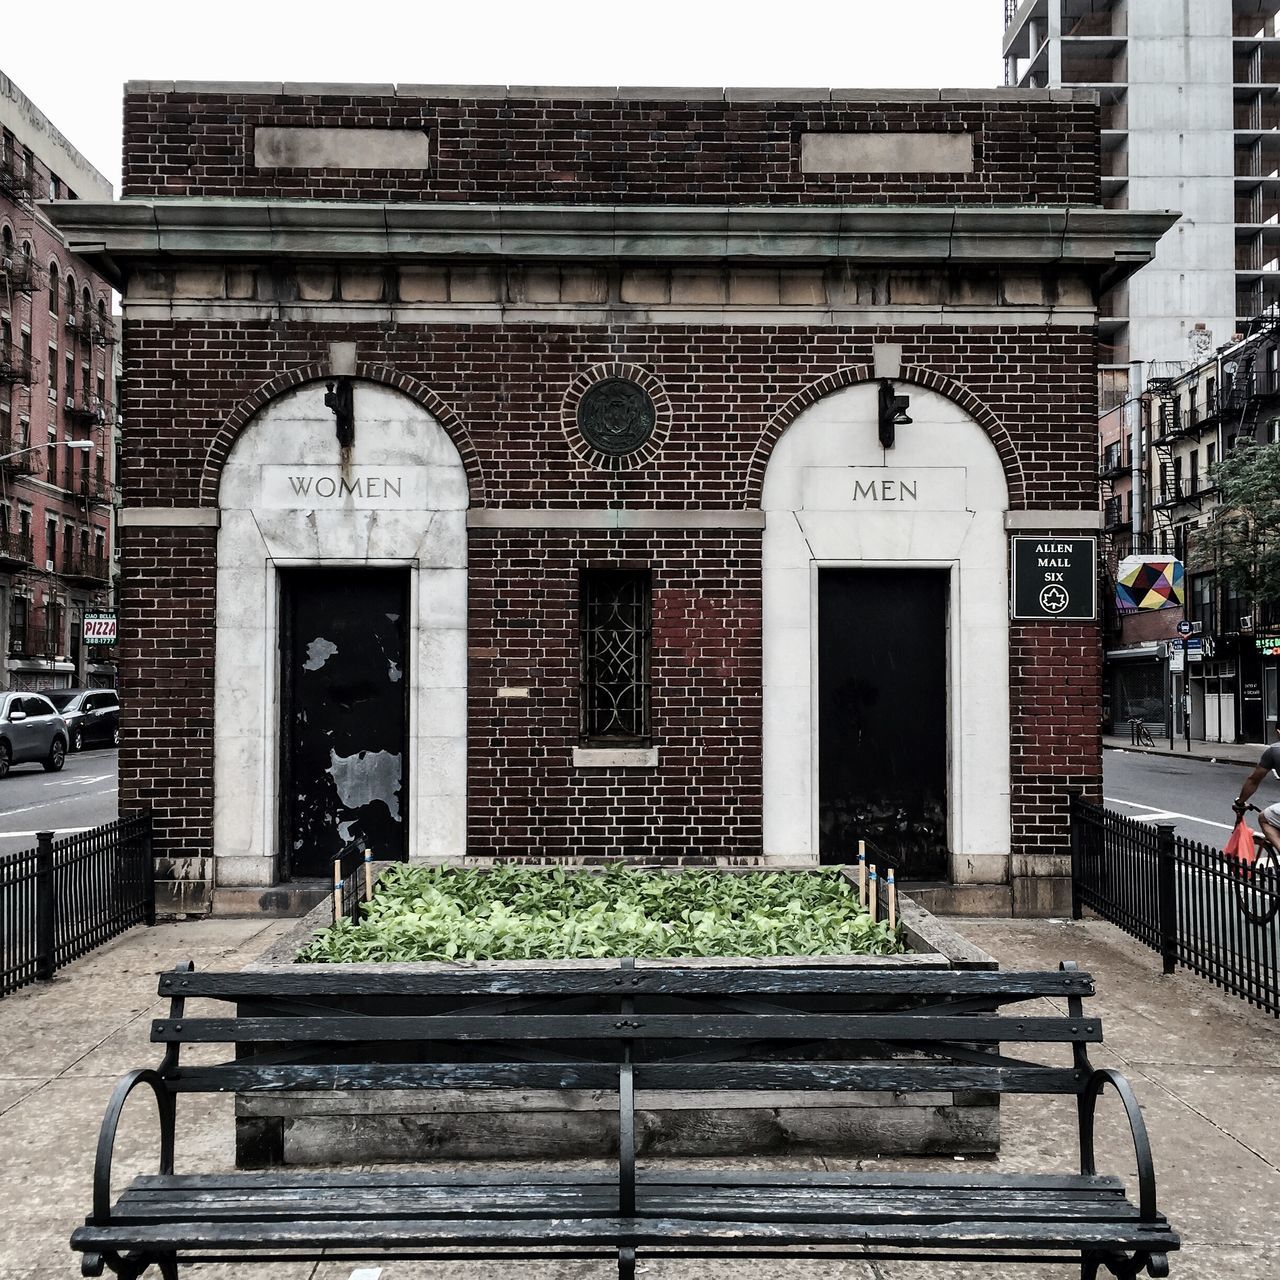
pixel 1268 818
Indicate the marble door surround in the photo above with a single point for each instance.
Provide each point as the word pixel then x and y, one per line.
pixel 834 498
pixel 289 499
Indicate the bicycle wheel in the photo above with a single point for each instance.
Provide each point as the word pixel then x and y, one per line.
pixel 1257 887
pixel 1144 737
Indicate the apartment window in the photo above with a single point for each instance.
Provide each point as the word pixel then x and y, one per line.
pixel 6 149
pixel 55 187
pixel 1273 431
pixel 1177 477
pixel 1271 369
pixel 53 288
pixel 1193 411
pixel 51 456
pixel 53 369
pixel 17 624
pixel 1201 601
pixel 1210 395
pixel 69 469
pixel 26 346
pixel 6 427
pixel 69 382
pixel 6 242
pixel 1194 467
pixel 28 163
pixel 51 541
pixel 85 377
pixel 100 547
pixel 68 546
pixel 616 625
pixel 99 472
pixel 71 295
pixel 1210 458
pixel 24 522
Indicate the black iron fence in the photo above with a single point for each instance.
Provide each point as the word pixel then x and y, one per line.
pixel 1199 909
pixel 66 897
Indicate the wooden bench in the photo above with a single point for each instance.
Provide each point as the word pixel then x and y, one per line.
pixel 624 1030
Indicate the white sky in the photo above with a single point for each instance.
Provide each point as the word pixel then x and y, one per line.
pixel 73 68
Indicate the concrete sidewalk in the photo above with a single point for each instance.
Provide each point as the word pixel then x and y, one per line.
pixel 1205 1067
pixel 1243 753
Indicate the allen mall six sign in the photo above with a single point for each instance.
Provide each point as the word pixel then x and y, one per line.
pixel 1055 579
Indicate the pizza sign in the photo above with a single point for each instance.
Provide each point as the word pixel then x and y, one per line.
pixel 100 628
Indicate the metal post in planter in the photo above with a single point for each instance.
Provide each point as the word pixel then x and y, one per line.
pixel 1167 895
pixel 862 873
pixel 891 891
pixel 871 890
pixel 44 906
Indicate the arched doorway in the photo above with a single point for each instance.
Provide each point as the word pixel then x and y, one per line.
pixel 886 639
pixel 340 683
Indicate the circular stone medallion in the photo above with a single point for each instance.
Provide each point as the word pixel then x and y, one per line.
pixel 616 416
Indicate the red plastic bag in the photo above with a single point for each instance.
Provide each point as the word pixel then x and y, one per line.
pixel 1240 843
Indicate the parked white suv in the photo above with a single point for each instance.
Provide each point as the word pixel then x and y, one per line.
pixel 31 729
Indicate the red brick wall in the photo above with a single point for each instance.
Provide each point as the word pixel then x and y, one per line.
pixel 505 385
pixel 526 796
pixel 166 683
pixel 568 150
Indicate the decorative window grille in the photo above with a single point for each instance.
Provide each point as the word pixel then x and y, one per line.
pixel 616 624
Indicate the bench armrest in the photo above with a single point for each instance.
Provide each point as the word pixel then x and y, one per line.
pixel 1101 1077
pixel 111 1121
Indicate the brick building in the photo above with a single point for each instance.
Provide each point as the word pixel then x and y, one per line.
pixel 57 389
pixel 508 474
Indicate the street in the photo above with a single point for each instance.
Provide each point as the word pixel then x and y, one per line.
pixel 82 795
pixel 1194 795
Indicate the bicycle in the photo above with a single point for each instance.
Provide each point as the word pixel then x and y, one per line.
pixel 1257 883
pixel 1139 734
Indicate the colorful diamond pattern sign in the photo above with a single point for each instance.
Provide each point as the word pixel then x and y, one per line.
pixel 1149 582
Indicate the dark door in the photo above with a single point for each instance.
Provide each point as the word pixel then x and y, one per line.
pixel 343 707
pixel 882 717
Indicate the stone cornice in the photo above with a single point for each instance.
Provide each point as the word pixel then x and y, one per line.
pixel 1110 244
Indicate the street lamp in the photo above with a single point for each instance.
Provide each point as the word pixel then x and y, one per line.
pixel 31 448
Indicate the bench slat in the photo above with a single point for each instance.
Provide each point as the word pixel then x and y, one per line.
pixel 794 1203
pixel 667 1026
pixel 909 1076
pixel 339 981
pixel 195 1234
pixel 907 1182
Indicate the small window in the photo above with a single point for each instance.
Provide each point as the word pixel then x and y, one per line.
pixel 53 288
pixel 616 625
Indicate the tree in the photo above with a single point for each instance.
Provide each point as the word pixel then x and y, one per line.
pixel 1241 542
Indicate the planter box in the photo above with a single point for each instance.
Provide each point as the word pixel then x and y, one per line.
pixel 363 1127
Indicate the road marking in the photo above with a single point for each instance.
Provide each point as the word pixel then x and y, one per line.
pixel 1160 815
pixel 79 782
pixel 45 804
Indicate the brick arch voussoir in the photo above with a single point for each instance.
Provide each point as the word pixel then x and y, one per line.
pixel 849 376
pixel 229 432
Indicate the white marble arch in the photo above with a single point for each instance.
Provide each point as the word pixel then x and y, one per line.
pixel 258 537
pixel 818 513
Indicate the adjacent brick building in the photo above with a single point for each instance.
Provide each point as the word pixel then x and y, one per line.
pixel 507 475
pixel 57 387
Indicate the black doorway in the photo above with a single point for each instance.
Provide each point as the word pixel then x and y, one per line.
pixel 882 717
pixel 344 721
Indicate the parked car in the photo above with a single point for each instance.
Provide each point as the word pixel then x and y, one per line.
pixel 92 715
pixel 31 729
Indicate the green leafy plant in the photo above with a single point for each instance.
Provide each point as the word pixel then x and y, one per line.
pixel 521 913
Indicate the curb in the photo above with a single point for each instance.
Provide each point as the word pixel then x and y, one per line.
pixel 1177 754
